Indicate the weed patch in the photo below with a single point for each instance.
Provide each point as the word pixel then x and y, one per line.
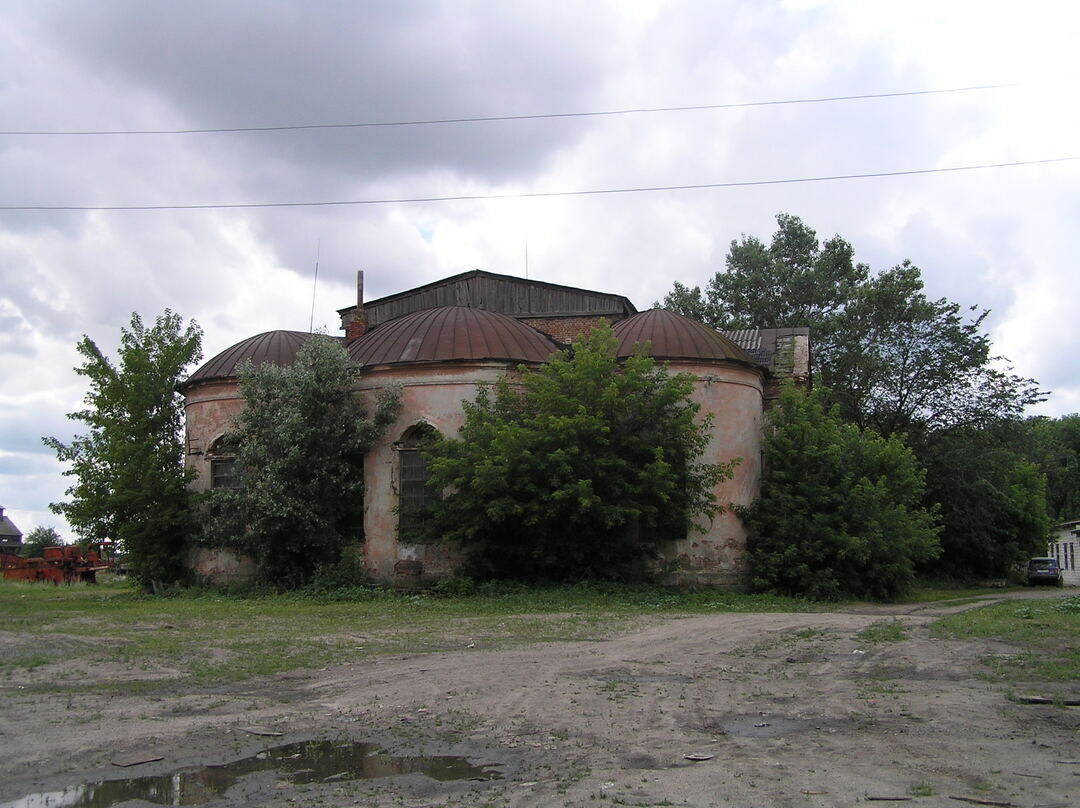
pixel 883 631
pixel 1046 632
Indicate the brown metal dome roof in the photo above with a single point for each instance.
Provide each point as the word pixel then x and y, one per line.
pixel 451 333
pixel 673 336
pixel 276 347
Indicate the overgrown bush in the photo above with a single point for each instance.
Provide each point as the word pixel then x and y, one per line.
pixel 577 471
pixel 300 442
pixel 840 512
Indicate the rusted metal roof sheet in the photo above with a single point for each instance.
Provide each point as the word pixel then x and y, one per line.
pixel 673 336
pixel 276 347
pixel 450 333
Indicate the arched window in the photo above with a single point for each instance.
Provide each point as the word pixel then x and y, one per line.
pixel 223 469
pixel 414 497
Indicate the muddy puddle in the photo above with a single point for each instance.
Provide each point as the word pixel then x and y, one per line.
pixel 296 763
pixel 759 726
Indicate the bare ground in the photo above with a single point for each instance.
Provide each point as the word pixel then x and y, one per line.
pixel 784 709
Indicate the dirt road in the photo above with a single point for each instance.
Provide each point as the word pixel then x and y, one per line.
pixel 725 710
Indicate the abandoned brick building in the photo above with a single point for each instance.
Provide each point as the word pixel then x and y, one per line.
pixel 442 341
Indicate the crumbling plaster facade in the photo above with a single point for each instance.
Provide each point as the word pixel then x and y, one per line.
pixel 732 392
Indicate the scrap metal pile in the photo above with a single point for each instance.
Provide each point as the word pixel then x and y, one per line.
pixel 66 564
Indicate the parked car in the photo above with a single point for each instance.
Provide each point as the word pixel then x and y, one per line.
pixel 1044 571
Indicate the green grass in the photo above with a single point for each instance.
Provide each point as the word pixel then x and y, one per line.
pixel 883 631
pixel 208 636
pixel 1046 632
pixel 932 591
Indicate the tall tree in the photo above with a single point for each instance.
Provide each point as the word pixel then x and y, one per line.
pixel 300 442
pixel 35 542
pixel 993 500
pixel 793 281
pixel 130 482
pixel 1055 449
pixel 579 470
pixel 900 362
pixel 895 361
pixel 892 358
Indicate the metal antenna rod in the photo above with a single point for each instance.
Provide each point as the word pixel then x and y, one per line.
pixel 314 285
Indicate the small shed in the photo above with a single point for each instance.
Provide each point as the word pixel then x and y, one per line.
pixel 10 536
pixel 1063 547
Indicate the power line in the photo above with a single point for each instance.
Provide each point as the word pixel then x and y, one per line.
pixel 538 194
pixel 493 118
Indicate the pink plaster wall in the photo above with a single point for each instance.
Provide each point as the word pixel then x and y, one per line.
pixel 431 394
pixel 733 395
pixel 209 408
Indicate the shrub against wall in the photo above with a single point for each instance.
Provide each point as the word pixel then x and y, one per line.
pixel 300 442
pixel 580 470
pixel 840 512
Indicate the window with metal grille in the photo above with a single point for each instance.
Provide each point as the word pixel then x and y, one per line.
pixel 223 469
pixel 223 473
pixel 414 496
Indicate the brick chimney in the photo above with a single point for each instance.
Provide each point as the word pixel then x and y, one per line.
pixel 353 320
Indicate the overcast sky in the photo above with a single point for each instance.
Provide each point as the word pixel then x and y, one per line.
pixel 1002 238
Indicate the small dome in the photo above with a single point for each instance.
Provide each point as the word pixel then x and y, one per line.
pixel 276 347
pixel 451 333
pixel 673 336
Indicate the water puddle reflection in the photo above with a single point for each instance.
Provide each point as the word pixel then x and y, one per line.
pixel 298 763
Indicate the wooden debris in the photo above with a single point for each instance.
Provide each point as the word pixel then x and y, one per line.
pixel 887 799
pixel 1047 700
pixel 135 759
pixel 696 756
pixel 265 731
pixel 977 801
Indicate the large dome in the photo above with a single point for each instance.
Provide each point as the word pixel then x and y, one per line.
pixel 276 347
pixel 451 333
pixel 673 336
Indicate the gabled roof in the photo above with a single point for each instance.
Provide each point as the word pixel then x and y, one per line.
pixel 506 294
pixel 8 531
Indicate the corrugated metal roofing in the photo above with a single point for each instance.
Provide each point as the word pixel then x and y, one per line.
pixel 673 336
pixel 749 339
pixel 451 333
pixel 276 347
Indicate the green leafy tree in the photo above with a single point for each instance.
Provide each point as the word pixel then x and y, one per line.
pixel 993 500
pixel 1055 449
pixel 840 512
pixel 130 482
pixel 300 442
pixel 892 358
pixel 35 542
pixel 902 363
pixel 580 469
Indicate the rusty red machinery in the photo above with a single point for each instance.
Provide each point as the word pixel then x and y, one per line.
pixel 66 564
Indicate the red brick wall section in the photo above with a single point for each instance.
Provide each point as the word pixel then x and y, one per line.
pixel 564 329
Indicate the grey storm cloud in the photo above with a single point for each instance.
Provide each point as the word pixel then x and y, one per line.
pixel 265 64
